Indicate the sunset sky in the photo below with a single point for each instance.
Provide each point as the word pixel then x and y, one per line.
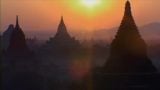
pixel 78 14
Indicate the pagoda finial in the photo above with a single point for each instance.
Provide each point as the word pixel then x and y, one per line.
pixel 17 22
pixel 61 24
pixel 128 8
pixel 62 21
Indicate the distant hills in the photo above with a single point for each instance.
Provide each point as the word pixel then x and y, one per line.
pixel 149 31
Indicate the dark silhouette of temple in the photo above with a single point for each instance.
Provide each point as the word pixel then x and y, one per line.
pixel 128 66
pixel 17 43
pixel 54 65
pixel 62 39
pixel 6 36
pixel 20 63
pixel 128 53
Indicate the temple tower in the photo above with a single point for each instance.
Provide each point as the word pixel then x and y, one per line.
pixel 17 45
pixel 128 52
pixel 62 39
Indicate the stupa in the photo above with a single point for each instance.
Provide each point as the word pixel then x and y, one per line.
pixel 128 52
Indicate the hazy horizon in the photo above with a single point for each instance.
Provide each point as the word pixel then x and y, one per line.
pixel 39 15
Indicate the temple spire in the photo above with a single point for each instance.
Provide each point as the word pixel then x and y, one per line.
pixel 128 52
pixel 128 17
pixel 62 18
pixel 128 11
pixel 62 26
pixel 62 21
pixel 17 22
pixel 62 38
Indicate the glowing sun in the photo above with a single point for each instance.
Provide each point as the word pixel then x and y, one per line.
pixel 90 8
pixel 90 3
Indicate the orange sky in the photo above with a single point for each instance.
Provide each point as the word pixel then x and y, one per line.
pixel 45 14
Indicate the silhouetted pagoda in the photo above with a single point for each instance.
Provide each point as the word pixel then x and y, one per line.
pixel 128 53
pixel 62 39
pixel 128 66
pixel 17 45
pixel 6 36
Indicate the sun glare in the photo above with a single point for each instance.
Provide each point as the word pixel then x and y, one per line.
pixel 90 8
pixel 90 3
